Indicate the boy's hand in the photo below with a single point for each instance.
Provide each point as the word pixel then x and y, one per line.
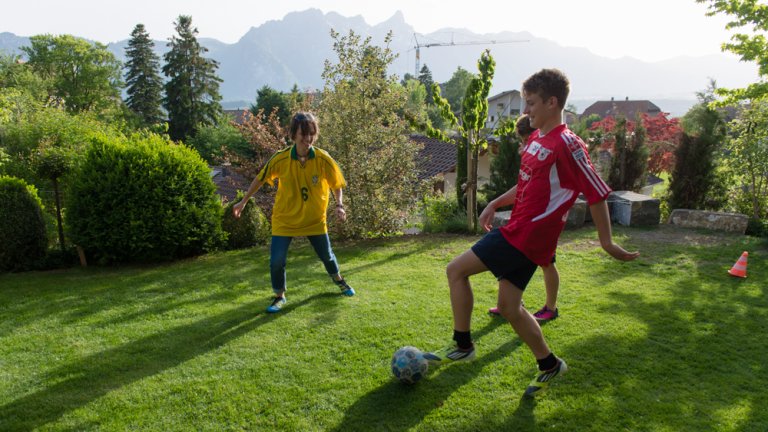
pixel 486 218
pixel 619 253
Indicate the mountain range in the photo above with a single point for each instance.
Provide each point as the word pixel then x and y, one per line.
pixel 293 50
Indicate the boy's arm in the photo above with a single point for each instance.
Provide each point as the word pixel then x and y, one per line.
pixel 602 222
pixel 341 213
pixel 505 199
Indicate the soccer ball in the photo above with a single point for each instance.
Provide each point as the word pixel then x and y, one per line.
pixel 409 365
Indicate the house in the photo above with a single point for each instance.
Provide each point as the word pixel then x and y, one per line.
pixel 239 115
pixel 437 160
pixel 508 104
pixel 629 109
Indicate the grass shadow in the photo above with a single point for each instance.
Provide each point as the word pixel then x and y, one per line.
pixel 394 406
pixel 93 376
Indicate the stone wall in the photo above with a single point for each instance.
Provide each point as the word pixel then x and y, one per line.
pixel 730 222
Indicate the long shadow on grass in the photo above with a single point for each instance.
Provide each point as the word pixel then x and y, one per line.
pixel 395 406
pixel 79 383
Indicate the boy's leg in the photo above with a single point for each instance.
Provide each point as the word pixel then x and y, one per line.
pixel 458 271
pixel 322 246
pixel 551 285
pixel 525 325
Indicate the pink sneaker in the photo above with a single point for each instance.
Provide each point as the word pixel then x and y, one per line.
pixel 545 314
pixel 494 311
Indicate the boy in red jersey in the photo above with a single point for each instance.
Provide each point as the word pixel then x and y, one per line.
pixel 554 169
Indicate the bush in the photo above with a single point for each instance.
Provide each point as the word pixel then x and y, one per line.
pixel 143 199
pixel 442 214
pixel 757 227
pixel 251 229
pixel 22 230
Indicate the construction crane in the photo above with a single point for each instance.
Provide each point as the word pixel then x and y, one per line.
pixel 452 43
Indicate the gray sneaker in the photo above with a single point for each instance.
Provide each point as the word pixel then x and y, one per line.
pixel 450 354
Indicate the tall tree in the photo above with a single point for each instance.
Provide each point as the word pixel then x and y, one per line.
pixel 455 88
pixel 361 126
pixel 474 111
pixel 84 75
pixel 747 158
pixel 750 46
pixel 142 77
pixel 192 91
pixel 268 100
pixel 425 78
pixel 630 157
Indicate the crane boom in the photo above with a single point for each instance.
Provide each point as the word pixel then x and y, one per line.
pixel 452 43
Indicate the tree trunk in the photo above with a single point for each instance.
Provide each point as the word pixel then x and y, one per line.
pixel 58 214
pixel 472 183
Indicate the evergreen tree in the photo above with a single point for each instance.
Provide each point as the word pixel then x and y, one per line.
pixel 630 157
pixel 192 91
pixel 268 100
pixel 695 183
pixel 505 167
pixel 143 78
pixel 425 77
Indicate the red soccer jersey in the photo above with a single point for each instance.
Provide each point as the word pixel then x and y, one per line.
pixel 554 169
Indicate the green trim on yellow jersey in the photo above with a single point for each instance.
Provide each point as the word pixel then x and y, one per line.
pixel 303 191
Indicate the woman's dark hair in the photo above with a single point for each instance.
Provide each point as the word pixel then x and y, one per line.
pixel 306 122
pixel 523 126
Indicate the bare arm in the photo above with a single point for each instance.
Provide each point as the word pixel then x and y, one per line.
pixel 237 209
pixel 601 218
pixel 505 199
pixel 340 212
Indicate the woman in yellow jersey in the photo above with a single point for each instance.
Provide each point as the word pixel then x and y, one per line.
pixel 306 175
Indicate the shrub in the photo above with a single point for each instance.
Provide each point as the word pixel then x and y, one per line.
pixel 143 198
pixel 251 229
pixel 442 214
pixel 22 230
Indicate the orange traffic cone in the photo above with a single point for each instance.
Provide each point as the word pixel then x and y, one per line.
pixel 740 268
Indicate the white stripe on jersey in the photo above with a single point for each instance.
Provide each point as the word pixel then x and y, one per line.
pixel 557 195
pixel 586 169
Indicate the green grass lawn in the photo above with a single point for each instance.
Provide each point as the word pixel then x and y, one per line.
pixel 669 342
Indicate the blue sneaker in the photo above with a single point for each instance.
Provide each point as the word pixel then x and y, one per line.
pixel 345 288
pixel 277 304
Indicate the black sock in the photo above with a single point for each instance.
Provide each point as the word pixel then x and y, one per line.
pixel 547 363
pixel 463 339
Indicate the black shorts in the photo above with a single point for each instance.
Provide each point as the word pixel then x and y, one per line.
pixel 504 260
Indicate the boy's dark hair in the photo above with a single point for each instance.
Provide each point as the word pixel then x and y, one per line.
pixel 547 83
pixel 305 121
pixel 523 126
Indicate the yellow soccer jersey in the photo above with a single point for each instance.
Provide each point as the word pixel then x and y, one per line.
pixel 302 192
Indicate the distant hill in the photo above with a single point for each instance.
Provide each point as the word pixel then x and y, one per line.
pixel 281 53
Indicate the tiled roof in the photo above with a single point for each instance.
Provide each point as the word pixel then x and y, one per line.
pixel 436 157
pixel 630 109
pixel 228 182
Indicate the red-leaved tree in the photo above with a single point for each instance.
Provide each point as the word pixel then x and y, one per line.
pixel 662 138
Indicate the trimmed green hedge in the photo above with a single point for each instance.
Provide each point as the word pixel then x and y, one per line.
pixel 22 227
pixel 143 199
pixel 251 229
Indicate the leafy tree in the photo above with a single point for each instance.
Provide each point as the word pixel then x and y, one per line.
pixel 747 158
pixel 53 163
pixel 361 127
pixel 268 100
pixel 23 228
pixel 455 88
pixel 425 78
pixel 143 77
pixel 750 46
pixel 630 158
pixel 211 140
pixel 473 114
pixel 663 137
pixel 407 77
pixel 84 75
pixel 192 91
pixel 694 183
pixel 19 76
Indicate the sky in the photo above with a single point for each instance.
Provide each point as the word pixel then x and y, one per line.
pixel 649 30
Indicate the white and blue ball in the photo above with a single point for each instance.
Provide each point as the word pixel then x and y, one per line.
pixel 409 365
